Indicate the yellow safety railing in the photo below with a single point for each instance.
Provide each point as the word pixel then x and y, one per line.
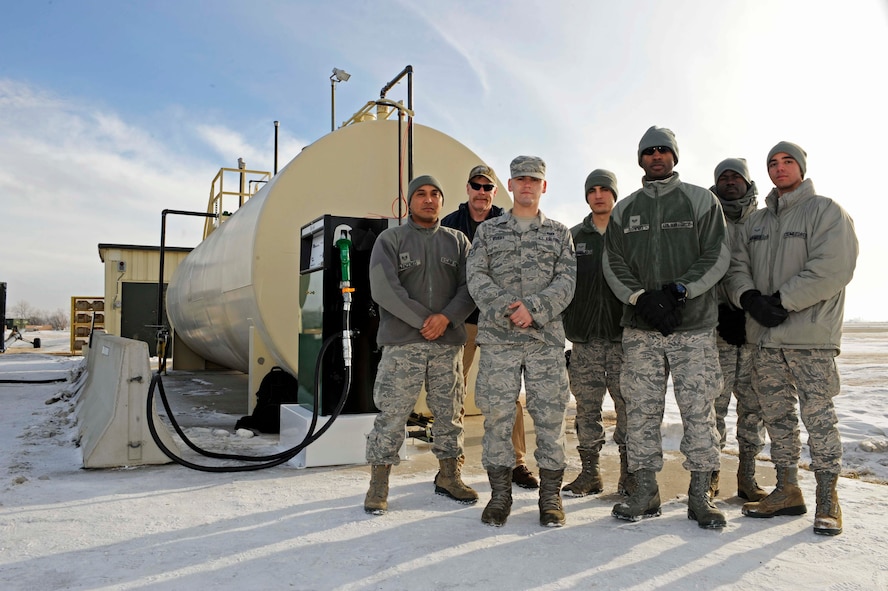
pixel 247 184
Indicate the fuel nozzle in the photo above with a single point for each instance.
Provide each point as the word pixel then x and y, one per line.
pixel 344 245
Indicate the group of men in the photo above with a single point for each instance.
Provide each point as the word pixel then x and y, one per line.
pixel 673 281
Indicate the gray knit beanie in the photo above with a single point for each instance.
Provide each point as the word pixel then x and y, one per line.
pixel 794 150
pixel 601 178
pixel 738 165
pixel 658 136
pixel 419 181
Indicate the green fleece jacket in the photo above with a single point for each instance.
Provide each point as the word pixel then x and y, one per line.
pixel 595 311
pixel 668 232
pixel 804 246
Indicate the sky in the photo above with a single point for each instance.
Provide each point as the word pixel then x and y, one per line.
pixel 154 528
pixel 111 112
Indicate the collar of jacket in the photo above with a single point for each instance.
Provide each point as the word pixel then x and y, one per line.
pixel 416 226
pixel 791 199
pixel 658 187
pixel 738 210
pixel 507 218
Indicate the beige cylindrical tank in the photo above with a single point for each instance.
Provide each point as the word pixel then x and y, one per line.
pixel 246 273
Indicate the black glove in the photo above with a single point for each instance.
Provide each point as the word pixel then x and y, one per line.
pixel 766 310
pixel 661 309
pixel 731 325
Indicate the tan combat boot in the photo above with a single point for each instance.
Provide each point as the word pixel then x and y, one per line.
pixel 448 482
pixel 713 484
pixel 376 501
pixel 828 517
pixel 786 499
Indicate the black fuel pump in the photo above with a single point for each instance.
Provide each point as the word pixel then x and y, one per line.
pixel 335 278
pixel 335 267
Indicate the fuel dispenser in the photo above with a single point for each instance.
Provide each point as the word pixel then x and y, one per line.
pixel 334 274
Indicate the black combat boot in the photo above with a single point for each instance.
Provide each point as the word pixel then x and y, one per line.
pixel 700 506
pixel 626 485
pixel 588 482
pixel 644 500
pixel 747 487
pixel 497 510
pixel 551 509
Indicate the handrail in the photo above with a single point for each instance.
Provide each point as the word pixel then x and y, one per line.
pixel 216 204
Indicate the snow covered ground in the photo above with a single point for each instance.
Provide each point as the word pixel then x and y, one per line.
pixel 167 527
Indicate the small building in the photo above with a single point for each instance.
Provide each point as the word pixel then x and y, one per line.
pixel 131 280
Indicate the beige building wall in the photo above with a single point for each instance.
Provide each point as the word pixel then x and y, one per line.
pixel 128 263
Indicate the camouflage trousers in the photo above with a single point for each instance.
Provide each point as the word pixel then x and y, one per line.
pixel 497 387
pixel 791 380
pixel 518 439
pixel 594 370
pixel 402 372
pixel 692 359
pixel 736 367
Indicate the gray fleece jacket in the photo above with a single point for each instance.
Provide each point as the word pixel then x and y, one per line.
pixel 416 272
pixel 804 246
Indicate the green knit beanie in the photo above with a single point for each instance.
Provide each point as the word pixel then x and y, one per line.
pixel 658 136
pixel 419 181
pixel 794 150
pixel 601 178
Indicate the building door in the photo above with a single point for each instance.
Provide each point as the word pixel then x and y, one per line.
pixel 138 314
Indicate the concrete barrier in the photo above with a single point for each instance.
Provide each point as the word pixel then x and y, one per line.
pixel 111 411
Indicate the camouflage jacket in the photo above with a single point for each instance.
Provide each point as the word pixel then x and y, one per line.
pixel 537 267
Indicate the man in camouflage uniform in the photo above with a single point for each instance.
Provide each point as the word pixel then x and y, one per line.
pixel 666 249
pixel 737 195
pixel 521 274
pixel 789 269
pixel 592 324
pixel 481 190
pixel 418 278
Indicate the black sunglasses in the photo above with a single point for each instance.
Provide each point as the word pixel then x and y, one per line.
pixel 479 186
pixel 660 149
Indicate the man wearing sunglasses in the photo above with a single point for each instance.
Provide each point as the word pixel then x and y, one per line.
pixel 665 250
pixel 521 274
pixel 789 270
pixel 481 189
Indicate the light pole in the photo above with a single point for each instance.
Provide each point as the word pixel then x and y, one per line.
pixel 337 76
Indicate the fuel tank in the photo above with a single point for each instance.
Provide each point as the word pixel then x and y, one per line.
pixel 246 272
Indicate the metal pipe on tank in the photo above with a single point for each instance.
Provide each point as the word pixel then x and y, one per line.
pixel 407 71
pixel 243 180
pixel 277 125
